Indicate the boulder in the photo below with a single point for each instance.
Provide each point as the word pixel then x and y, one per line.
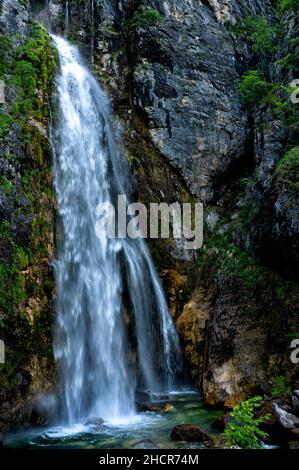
pixel 295 400
pixel 168 407
pixel 189 433
pixel 286 419
pixel 294 445
pixel 94 421
pixel 154 408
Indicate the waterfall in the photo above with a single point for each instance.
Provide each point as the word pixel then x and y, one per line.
pixel 94 344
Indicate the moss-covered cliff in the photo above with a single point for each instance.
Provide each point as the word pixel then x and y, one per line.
pixel 28 65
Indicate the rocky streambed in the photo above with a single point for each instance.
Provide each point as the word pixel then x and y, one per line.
pixel 159 425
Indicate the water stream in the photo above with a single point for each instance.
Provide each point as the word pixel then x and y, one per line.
pixel 101 361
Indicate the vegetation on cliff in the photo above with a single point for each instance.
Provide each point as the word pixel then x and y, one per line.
pixel 26 282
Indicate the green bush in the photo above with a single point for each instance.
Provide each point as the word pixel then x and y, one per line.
pixel 244 429
pixel 287 169
pixel 5 53
pixel 280 387
pixel 254 90
pixel 288 4
pixel 262 35
pixel 145 16
pixel 30 68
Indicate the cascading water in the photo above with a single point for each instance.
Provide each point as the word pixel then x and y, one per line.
pixel 92 344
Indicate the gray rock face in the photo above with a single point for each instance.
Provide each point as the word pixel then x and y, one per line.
pixel 236 349
pixel 13 18
pixel 287 420
pixel 185 84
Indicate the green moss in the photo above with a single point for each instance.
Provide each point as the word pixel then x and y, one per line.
pixel 30 68
pixel 12 285
pixel 5 54
pixel 26 280
pixel 287 170
pixel 281 386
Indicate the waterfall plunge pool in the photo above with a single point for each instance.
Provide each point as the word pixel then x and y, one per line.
pixel 146 430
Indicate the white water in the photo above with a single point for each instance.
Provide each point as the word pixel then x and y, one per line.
pixel 99 370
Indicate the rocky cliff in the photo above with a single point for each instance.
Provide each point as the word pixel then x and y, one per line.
pixel 200 87
pixel 201 90
pixel 27 70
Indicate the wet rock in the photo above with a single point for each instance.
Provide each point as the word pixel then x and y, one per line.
pixel 168 408
pixel 14 17
pixel 174 284
pixel 159 396
pixel 189 433
pixel 94 421
pixel 192 325
pixel 152 408
pixel 286 419
pixel 140 444
pixel 142 396
pixel 220 423
pixel 295 400
pixel 294 445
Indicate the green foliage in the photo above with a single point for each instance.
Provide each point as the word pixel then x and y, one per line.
pixel 287 61
pixel 255 90
pixel 12 283
pixel 145 16
pixel 30 68
pixel 287 170
pixel 262 35
pixel 280 387
pixel 232 260
pixel 5 122
pixel 244 429
pixel 288 4
pixel 34 68
pixel 5 53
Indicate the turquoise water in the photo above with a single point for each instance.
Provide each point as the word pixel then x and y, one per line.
pixel 149 430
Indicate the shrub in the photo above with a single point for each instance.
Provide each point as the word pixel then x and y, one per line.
pixel 244 429
pixel 145 16
pixel 288 4
pixel 262 34
pixel 280 387
pixel 254 89
pixel 5 53
pixel 287 169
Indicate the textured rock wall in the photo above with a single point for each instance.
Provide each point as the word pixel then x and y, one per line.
pixel 26 215
pixel 174 84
